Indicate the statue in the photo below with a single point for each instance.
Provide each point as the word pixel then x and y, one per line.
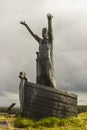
pixel 41 99
pixel 45 67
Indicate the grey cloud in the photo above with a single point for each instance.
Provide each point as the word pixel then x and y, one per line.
pixel 17 47
pixel 71 74
pixel 1 94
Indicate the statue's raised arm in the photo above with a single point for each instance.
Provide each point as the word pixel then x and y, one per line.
pixel 31 32
pixel 50 33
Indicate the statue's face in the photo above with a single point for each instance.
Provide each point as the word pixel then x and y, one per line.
pixel 45 33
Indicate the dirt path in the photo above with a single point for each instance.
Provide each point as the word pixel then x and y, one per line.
pixel 7 125
pixel 3 125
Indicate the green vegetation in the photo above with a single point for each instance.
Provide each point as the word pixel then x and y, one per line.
pixel 50 123
pixel 53 123
pixel 23 122
pixel 82 108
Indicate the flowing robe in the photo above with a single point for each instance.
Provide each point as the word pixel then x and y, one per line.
pixel 45 69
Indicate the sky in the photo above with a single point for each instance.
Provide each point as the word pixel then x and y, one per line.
pixel 18 48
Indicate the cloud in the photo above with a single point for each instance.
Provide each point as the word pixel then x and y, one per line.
pixel 10 95
pixel 72 71
pixel 82 99
pixel 17 47
pixel 8 98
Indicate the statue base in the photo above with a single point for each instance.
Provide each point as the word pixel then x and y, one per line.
pixel 41 101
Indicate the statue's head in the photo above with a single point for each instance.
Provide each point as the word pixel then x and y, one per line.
pixel 45 33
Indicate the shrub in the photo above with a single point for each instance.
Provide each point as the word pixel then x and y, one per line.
pixel 82 108
pixel 47 122
pixel 23 122
pixel 54 123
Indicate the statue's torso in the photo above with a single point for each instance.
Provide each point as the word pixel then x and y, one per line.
pixel 44 49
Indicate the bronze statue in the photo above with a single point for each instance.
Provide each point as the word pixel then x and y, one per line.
pixel 45 67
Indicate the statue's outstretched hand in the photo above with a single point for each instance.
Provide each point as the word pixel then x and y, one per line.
pixel 49 16
pixel 22 22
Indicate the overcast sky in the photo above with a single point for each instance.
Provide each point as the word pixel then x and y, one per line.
pixel 17 46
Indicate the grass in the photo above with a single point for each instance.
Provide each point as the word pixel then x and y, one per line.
pixel 23 122
pixel 53 123
pixel 50 123
pixel 7 119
